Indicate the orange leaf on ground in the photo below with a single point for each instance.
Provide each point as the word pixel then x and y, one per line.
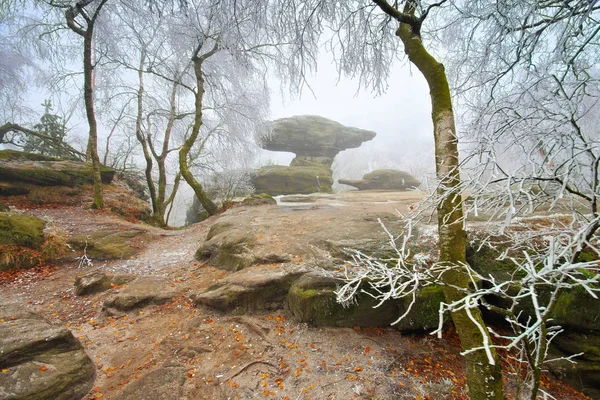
pixel 43 368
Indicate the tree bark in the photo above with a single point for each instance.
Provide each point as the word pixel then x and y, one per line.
pixel 88 93
pixel 206 202
pixel 88 89
pixel 484 379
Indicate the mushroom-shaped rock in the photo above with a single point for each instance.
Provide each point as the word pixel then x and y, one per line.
pixel 313 138
pixel 384 179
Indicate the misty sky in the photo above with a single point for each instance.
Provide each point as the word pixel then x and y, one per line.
pixel 401 117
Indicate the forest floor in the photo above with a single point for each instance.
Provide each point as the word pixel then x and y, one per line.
pixel 189 352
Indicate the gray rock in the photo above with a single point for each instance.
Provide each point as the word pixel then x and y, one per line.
pixel 252 289
pixel 277 180
pixel 43 361
pixel 140 293
pixel 314 138
pixel 384 179
pixel 97 281
pixel 231 249
pixel 584 375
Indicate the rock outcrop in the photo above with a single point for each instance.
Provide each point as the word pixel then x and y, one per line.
pixel 21 230
pixel 315 141
pixel 312 299
pixel 252 289
pixel 34 169
pixel 97 281
pixel 277 179
pixel 575 311
pixel 384 179
pixel 40 361
pixel 141 292
pixel 108 245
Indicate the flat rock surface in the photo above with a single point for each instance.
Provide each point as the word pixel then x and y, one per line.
pixel 142 292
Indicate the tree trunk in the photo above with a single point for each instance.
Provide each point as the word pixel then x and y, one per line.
pixel 206 202
pixel 139 134
pixel 484 379
pixel 88 92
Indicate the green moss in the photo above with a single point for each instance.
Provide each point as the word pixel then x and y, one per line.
pixel 577 310
pixel 107 244
pixel 259 199
pixel 3 207
pixel 485 261
pixel 21 230
pixel 311 299
pixel 277 180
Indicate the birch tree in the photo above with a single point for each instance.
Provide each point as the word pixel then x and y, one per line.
pixel 228 52
pixel 525 70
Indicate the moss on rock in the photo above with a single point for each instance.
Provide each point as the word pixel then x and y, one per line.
pixel 312 299
pixel 259 199
pixel 107 245
pixel 276 179
pixel 21 230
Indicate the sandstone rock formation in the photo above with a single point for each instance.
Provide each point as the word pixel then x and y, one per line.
pixel 19 167
pixel 140 293
pixel 315 141
pixel 40 361
pixel 384 179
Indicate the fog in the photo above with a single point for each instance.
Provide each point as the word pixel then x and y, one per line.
pixel 400 117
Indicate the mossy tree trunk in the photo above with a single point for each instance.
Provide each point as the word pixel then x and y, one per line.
pixel 88 89
pixel 206 202
pixel 484 379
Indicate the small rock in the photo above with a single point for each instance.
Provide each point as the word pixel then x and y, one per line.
pixel 97 281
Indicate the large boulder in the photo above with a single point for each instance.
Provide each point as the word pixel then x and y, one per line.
pixel 252 289
pixel 140 293
pixel 108 245
pixel 575 311
pixel 312 299
pixel 232 249
pixel 21 167
pixel 277 180
pixel 584 373
pixel 313 138
pixel 384 179
pixel 40 361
